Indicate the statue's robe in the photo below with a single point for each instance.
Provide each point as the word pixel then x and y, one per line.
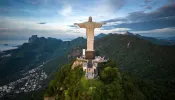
pixel 90 26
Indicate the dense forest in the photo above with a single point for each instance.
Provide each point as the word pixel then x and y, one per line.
pixel 144 71
pixel 141 58
pixel 112 84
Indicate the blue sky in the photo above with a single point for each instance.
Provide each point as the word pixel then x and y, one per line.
pixel 19 19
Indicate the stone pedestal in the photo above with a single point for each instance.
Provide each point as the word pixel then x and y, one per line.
pixel 89 55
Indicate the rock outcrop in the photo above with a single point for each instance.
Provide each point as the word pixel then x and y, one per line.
pixel 77 63
pixel 33 38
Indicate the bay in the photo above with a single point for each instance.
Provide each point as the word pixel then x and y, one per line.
pixel 10 44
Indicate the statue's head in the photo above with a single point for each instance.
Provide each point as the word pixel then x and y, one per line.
pixel 90 19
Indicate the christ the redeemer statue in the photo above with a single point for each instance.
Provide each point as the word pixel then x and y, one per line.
pixel 90 26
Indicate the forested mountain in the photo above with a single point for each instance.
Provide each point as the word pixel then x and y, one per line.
pixel 32 54
pixel 145 71
pixel 26 57
pixel 47 53
pixel 148 68
pixel 159 41
pixel 112 84
pixel 138 56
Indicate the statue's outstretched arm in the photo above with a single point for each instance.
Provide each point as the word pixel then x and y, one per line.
pixel 81 25
pixel 99 25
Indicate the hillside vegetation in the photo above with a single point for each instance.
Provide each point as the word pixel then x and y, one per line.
pixel 31 55
pixel 111 84
pixel 142 58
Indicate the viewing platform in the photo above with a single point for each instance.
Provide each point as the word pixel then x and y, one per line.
pixel 90 66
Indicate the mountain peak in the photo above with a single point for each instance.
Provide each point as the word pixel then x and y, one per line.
pixel 32 38
pixel 128 33
pixel 100 35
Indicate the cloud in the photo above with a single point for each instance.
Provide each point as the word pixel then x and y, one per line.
pixel 66 10
pixel 160 18
pixel 116 20
pixel 148 7
pixel 75 11
pixel 147 1
pixel 165 32
pixel 11 28
pixel 147 25
pixel 102 9
pixel 165 11
pixel 25 33
pixel 116 4
pixel 19 23
pixel 150 4
pixel 31 2
pixel 42 23
pixel 171 0
pixel 73 26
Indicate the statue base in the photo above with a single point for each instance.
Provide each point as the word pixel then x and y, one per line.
pixel 89 55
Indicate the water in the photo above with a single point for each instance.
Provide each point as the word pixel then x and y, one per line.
pixel 10 43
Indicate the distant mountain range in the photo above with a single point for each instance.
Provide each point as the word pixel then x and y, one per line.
pixel 158 41
pixel 167 38
pixel 170 39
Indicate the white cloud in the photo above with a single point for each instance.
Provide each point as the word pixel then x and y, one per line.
pixel 162 30
pixel 11 28
pixel 82 31
pixel 165 32
pixel 106 8
pixel 99 10
pixel 66 11
pixel 116 30
pixel 26 33
pixel 9 23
